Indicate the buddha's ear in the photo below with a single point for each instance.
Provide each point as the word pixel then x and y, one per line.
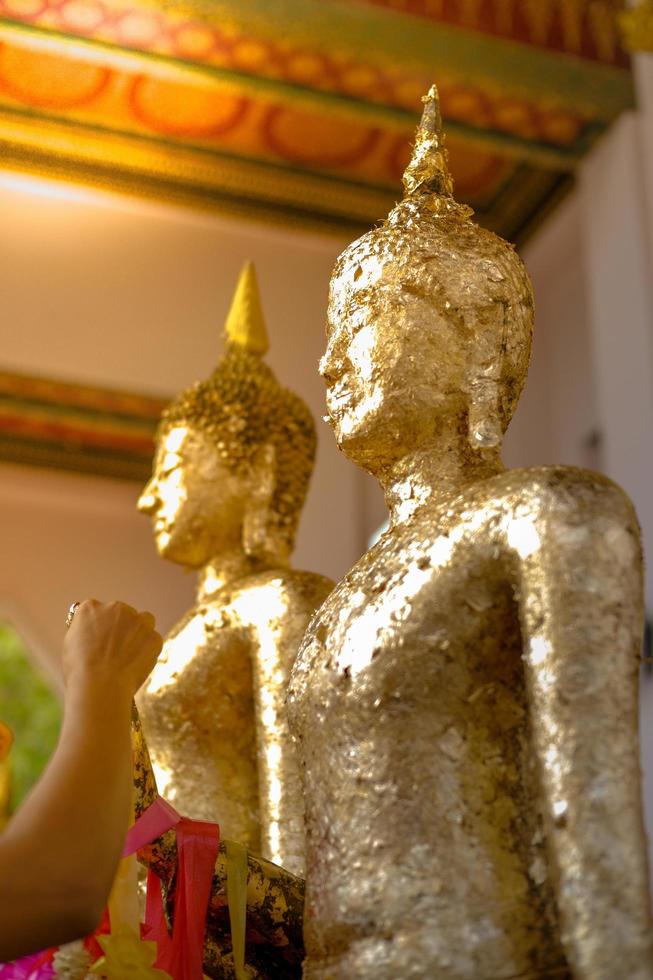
pixel 488 325
pixel 257 524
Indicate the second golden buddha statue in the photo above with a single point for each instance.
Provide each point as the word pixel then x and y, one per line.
pixel 233 462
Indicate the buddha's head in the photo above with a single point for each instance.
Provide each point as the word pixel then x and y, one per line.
pixel 234 454
pixel 429 322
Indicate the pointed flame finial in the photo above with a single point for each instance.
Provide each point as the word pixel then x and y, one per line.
pixel 245 325
pixel 428 168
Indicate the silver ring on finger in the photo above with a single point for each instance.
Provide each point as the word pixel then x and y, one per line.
pixel 71 614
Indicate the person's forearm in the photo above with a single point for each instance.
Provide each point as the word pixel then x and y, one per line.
pixel 70 829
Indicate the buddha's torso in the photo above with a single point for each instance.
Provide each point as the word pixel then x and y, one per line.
pixel 408 697
pixel 213 711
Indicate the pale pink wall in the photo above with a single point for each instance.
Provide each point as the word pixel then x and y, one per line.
pixel 67 537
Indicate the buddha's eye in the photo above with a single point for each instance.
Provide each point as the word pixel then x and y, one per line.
pixel 169 463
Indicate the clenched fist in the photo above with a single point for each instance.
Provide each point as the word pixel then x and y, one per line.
pixel 110 646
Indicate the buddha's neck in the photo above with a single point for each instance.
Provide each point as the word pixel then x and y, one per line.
pixel 437 470
pixel 224 569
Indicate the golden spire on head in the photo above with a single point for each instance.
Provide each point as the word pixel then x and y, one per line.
pixel 245 323
pixel 428 169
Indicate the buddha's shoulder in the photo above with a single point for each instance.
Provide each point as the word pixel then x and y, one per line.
pixel 279 593
pixel 292 588
pixel 541 490
pixel 199 627
pixel 562 495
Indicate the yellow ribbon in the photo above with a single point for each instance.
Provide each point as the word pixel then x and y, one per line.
pixel 236 855
pixel 123 900
pixel 126 955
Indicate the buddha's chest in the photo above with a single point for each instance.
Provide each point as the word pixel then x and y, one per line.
pixel 205 659
pixel 416 625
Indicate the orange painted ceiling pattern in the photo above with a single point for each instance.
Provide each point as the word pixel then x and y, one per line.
pixel 298 103
pixel 204 115
pixel 67 426
pixel 222 46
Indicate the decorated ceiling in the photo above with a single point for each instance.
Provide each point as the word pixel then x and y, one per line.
pixel 302 111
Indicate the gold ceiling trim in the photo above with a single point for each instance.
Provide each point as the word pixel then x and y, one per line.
pixel 181 174
pixel 637 27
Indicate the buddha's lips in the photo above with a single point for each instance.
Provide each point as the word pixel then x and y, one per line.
pixel 339 399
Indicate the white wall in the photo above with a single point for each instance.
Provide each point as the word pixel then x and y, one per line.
pixel 557 415
pixel 592 368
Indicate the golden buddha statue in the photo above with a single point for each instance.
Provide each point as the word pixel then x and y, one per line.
pixel 233 462
pixel 465 700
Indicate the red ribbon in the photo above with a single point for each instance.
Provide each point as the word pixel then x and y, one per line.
pixel 182 953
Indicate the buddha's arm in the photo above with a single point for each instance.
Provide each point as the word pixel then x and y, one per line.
pixel 580 594
pixel 279 620
pixel 275 898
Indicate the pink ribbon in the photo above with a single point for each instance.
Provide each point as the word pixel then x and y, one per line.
pixel 182 953
pixel 159 817
pixel 38 966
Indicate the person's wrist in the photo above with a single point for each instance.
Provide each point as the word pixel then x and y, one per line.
pixel 90 686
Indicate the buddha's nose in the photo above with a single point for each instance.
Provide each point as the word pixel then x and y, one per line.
pixel 324 368
pixel 330 366
pixel 148 500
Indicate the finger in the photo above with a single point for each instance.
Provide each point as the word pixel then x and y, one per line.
pixel 79 610
pixel 85 605
pixel 151 652
pixel 148 619
pixel 125 606
pixel 155 644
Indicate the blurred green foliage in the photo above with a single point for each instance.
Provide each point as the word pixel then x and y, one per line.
pixel 30 708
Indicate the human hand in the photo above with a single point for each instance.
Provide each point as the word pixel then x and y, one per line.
pixel 109 646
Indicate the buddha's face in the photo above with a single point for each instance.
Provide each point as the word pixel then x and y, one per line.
pixel 395 366
pixel 195 502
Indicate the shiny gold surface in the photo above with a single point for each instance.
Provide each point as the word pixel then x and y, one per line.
pixel 466 699
pixel 636 26
pixel 233 462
